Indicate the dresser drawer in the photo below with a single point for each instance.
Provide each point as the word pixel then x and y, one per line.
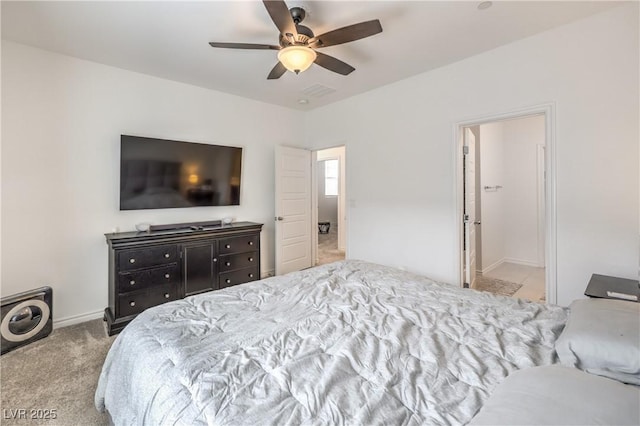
pixel 136 302
pixel 137 280
pixel 231 262
pixel 228 279
pixel 143 258
pixel 238 244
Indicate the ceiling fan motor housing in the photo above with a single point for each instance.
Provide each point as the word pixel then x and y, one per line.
pixel 297 14
pixel 304 35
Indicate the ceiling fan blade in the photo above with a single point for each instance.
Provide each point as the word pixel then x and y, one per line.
pixel 281 16
pixel 244 46
pixel 277 71
pixel 333 64
pixel 347 34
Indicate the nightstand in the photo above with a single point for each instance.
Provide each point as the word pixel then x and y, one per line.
pixel 607 287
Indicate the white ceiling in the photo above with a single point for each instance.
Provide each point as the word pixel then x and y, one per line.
pixel 170 39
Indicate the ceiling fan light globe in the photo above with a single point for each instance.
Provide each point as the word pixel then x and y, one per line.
pixel 297 58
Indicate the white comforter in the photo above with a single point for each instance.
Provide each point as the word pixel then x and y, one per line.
pixel 350 342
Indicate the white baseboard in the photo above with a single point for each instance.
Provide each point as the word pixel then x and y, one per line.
pixel 267 274
pixel 492 266
pixel 511 260
pixel 77 319
pixel 522 262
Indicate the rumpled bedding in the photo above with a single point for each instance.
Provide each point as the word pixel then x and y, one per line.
pixel 345 343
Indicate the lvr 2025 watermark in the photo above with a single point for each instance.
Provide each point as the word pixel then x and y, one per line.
pixel 29 413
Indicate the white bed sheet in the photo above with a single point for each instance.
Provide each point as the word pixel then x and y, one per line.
pixel 350 342
pixel 556 395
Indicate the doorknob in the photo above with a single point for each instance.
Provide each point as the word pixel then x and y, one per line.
pixel 477 222
pixel 279 218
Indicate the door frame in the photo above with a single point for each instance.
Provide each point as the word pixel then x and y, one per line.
pixel 550 233
pixel 469 219
pixel 540 192
pixel 314 207
pixel 342 201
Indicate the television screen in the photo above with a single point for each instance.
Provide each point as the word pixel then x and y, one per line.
pixel 161 174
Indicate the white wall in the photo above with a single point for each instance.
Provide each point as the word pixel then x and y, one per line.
pixel 401 168
pixel 521 140
pixel 510 214
pixel 62 119
pixel 492 173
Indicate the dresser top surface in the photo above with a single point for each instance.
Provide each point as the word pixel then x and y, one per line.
pixel 187 231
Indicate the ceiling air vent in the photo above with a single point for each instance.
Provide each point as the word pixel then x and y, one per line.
pixel 318 91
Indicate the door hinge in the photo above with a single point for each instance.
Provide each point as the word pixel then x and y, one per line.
pixel 465 150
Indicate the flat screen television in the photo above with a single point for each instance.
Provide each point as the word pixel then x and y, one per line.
pixel 162 174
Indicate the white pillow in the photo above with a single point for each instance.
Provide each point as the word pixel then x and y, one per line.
pixel 557 395
pixel 602 337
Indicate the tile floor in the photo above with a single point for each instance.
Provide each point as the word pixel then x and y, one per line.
pixel 531 278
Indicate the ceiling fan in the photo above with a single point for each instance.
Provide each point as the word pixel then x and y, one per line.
pixel 297 43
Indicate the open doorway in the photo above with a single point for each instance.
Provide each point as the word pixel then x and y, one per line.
pixel 504 195
pixel 330 197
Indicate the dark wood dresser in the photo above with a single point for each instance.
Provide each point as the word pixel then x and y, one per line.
pixel 150 268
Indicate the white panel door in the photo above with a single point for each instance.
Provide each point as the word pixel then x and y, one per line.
pixel 469 208
pixel 293 209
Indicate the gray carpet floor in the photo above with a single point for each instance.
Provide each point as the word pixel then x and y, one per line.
pixel 328 247
pixel 59 372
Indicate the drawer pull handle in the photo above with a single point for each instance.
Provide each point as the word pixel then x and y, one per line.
pixel 167 275
pixel 250 243
pixel 228 281
pixel 132 304
pixel 250 275
pixel 251 259
pixel 167 296
pixel 167 255
pixel 228 263
pixel 132 282
pixel 132 260
pixel 215 259
pixel 227 246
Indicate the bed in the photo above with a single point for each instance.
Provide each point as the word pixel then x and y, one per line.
pixel 345 343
